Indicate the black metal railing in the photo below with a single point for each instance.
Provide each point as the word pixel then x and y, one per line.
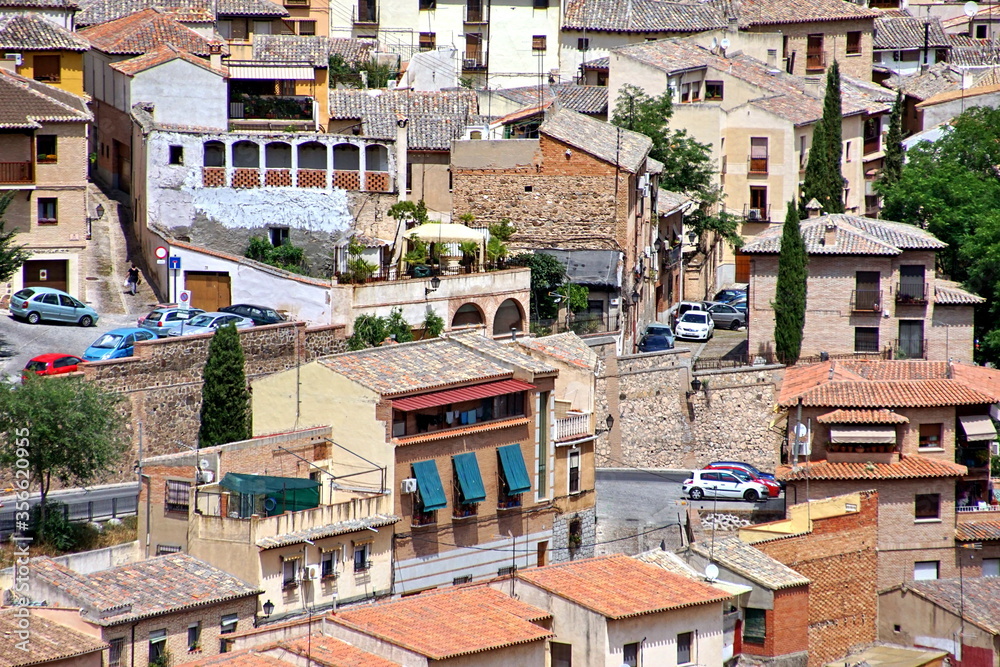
pixel 473 60
pixel 757 213
pixel 973 457
pixel 913 292
pixel 866 301
pixel 910 348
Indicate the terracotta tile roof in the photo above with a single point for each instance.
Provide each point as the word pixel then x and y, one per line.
pixel 567 347
pixel 671 201
pixel 163 53
pixel 771 12
pixel 597 63
pixel 882 416
pixel 27 104
pixel 981 378
pixel 603 140
pixel 39 4
pixel 907 32
pixel 968 93
pixel 619 587
pixel 645 16
pixel 95 12
pixel 142 32
pixel 977 599
pixel 155 586
pixel 505 352
pixel 882 394
pixel 592 100
pixel 314 49
pixel 328 530
pixel 855 235
pixel 942 78
pixel 750 562
pixel 31 32
pixel 245 658
pixel 978 531
pixel 450 623
pixel 49 641
pixel 331 652
pixel 950 293
pixel 909 467
pixel 895 370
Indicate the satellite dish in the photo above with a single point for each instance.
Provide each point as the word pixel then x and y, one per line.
pixel 711 572
pixel 203 464
pixel 800 430
pixel 724 43
pixel 714 45
pixel 970 9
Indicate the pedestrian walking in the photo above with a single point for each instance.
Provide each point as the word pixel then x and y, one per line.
pixel 132 281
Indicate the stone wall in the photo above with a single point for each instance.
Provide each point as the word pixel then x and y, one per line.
pixel 162 381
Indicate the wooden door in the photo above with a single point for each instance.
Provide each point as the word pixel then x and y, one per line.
pixel 46 273
pixel 742 267
pixel 210 290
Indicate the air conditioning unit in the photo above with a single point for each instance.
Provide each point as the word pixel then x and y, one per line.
pixel 206 476
pixel 753 214
pixel 16 57
pixel 469 63
pixel 995 448
pixel 311 573
pixel 409 485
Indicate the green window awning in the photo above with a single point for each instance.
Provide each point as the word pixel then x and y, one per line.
pixel 514 469
pixel 429 486
pixel 470 481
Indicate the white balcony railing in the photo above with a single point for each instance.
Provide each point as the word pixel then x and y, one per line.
pixel 982 507
pixel 575 425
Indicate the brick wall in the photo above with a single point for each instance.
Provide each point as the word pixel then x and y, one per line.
pixel 834 45
pixel 786 623
pixel 162 381
pixel 839 558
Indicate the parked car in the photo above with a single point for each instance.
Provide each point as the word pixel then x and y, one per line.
pixel 166 317
pixel 773 488
pixel 739 465
pixel 695 324
pixel 52 364
pixel 659 329
pixel 209 322
pixel 655 343
pixel 685 306
pixel 722 484
pixel 116 344
pixel 727 295
pixel 726 316
pixel 739 304
pixel 260 315
pixel 35 304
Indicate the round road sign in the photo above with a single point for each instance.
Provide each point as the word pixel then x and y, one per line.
pixel 161 252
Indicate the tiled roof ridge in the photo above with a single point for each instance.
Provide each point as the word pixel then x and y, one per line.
pixel 49 94
pixel 910 466
pixel 794 578
pixel 43 29
pixel 160 55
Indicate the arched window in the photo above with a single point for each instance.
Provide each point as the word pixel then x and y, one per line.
pixel 278 155
pixel 376 158
pixel 312 155
pixel 509 315
pixel 467 315
pixel 246 155
pixel 346 157
pixel 215 154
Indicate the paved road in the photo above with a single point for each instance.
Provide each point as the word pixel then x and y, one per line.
pixel 97 503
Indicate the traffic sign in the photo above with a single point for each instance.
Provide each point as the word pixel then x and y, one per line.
pixel 175 263
pixel 184 299
pixel 161 252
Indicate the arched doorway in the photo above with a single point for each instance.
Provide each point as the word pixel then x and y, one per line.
pixel 509 315
pixel 467 315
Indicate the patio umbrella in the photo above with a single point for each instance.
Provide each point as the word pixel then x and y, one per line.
pixel 437 232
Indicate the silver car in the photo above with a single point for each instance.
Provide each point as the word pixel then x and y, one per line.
pixel 209 322
pixel 726 316
pixel 164 319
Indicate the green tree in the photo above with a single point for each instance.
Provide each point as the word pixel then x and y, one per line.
pixel 687 163
pixel 547 274
pixel 372 330
pixel 411 213
pixel 500 233
pixel 225 397
pixel 824 180
pixel 892 163
pixel 433 324
pixel 285 256
pixel 790 294
pixel 11 256
pixel 63 428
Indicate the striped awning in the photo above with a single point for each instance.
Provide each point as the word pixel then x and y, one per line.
pixel 978 427
pixel 460 395
pixel 266 71
pixel 868 434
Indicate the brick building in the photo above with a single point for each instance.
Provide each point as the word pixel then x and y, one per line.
pixel 832 543
pixel 583 188
pixel 51 637
pixel 872 290
pixel 43 50
pixel 921 432
pixel 43 160
pixel 174 605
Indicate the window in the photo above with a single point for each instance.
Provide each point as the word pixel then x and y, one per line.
pixel 854 43
pixel 45 148
pixel 307 27
pixel 696 91
pixel 758 211
pixel 464 579
pixel 911 339
pixel 279 235
pixel 227 625
pixel 684 647
pixel 754 625
pixel 289 573
pixel 529 188
pixel 176 155
pixel 116 654
pixel 540 4
pixel 362 555
pixel 912 288
pixel 538 42
pixel 847 151
pixel 872 134
pixel 981 31
pixel 541 553
pixel 630 655
pixel 178 496
pixel 815 58
pixel 802 152
pixel 47 68
pixel 926 570
pixel 713 91
pixel 157 644
pixel 991 567
pixel 194 636
pixel 48 211
pixel 562 654
pixel 428 41
pixel 427 5
pixel 758 155
pixel 582 44
pixel 398 424
pixel 328 564
pixel 930 435
pixel 685 93
pixel 866 291
pixel 574 472
pixel 866 339
pixel 162 549
pixel 367 11
pixel 927 506
pixel 543 443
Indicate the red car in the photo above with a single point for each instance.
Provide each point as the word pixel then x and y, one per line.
pixel 773 487
pixel 52 364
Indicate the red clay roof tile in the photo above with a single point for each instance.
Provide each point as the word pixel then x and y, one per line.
pixel 862 417
pixel 909 467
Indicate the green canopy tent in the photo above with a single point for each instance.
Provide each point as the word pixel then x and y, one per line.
pixel 268 496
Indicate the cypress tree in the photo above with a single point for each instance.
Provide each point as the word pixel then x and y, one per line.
pixel 892 164
pixel 833 118
pixel 790 295
pixel 814 185
pixel 225 398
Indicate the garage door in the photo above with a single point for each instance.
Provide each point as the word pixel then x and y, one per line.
pixel 209 289
pixel 46 273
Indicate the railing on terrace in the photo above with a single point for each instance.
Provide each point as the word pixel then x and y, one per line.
pixel 866 300
pixel 254 177
pixel 579 323
pixel 574 425
pixel 387 273
pixel 16 172
pixel 911 292
pixel 767 358
pixel 910 349
pixel 979 507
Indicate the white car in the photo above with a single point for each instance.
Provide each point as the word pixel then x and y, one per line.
pixel 696 324
pixel 722 484
pixel 208 323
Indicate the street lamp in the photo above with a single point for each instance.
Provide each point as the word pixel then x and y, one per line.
pixel 268 609
pixel 435 283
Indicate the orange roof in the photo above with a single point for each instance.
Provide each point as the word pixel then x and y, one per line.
pixel 449 623
pixel 163 53
pixel 973 531
pixel 986 380
pixel 909 467
pixel 950 96
pixel 884 394
pixel 246 658
pixel 142 32
pixel 862 417
pixel 619 587
pixel 332 652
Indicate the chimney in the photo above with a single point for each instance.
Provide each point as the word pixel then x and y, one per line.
pixel 812 85
pixel 830 234
pixel 772 58
pixel 215 55
pixel 8 64
pixel 401 145
pixel 814 208
pixel 733 24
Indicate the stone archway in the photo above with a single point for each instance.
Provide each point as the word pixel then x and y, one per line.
pixel 509 315
pixel 468 315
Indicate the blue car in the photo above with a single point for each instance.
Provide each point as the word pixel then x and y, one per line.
pixel 116 344
pixel 655 343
